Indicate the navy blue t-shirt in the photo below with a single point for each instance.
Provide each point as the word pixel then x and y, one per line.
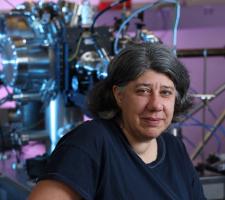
pixel 96 160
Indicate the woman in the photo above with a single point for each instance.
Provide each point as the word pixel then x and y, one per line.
pixel 125 152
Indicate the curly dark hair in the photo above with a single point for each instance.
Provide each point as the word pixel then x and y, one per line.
pixel 128 65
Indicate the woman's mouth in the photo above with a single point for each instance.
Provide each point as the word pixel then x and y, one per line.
pixel 152 121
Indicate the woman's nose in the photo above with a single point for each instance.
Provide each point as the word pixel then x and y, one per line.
pixel 155 103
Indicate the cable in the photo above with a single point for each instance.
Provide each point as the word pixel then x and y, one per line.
pixel 142 9
pixel 222 128
pixel 135 13
pixel 105 58
pixel 103 11
pixel 209 128
pixel 198 123
pixel 189 141
pixel 99 51
pixel 74 56
pixel 175 28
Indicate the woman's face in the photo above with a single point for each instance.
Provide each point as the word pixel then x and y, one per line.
pixel 147 105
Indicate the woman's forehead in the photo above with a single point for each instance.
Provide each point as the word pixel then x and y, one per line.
pixel 151 76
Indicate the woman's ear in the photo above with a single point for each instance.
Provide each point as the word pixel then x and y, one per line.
pixel 117 92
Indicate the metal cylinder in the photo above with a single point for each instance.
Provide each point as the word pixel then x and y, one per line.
pixel 59 119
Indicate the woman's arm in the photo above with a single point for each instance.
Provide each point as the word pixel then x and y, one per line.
pixel 50 189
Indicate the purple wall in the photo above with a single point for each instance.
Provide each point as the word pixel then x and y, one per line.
pixel 200 27
pixel 215 77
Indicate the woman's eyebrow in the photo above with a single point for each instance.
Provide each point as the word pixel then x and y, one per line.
pixel 150 85
pixel 168 87
pixel 144 84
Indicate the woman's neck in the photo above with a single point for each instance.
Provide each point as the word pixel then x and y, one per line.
pixel 146 149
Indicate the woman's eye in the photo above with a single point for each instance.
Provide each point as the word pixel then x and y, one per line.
pixel 166 92
pixel 143 91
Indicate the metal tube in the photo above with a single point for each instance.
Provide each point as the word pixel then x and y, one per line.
pixel 208 135
pixel 27 97
pixel 185 53
pixel 199 106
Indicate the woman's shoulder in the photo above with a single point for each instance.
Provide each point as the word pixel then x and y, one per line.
pixel 173 142
pixel 86 132
pixel 92 127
